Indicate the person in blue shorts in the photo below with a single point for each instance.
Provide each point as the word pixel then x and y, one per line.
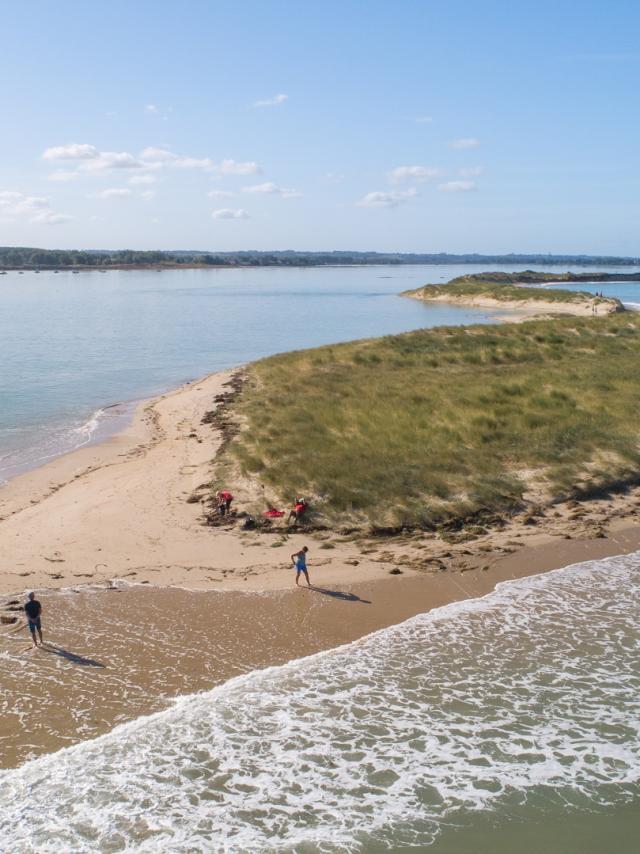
pixel 33 609
pixel 299 560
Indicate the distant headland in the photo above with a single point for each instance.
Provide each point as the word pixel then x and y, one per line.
pixel 28 258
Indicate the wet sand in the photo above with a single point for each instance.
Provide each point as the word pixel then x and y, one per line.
pixel 113 655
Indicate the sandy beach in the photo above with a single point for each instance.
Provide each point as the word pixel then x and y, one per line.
pixel 144 602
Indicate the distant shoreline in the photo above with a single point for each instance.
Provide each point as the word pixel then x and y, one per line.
pixel 86 268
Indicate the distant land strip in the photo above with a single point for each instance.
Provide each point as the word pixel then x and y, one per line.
pixel 28 258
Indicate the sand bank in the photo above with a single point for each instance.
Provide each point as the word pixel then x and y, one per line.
pixel 526 309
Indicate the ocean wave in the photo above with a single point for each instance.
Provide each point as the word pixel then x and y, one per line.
pixel 528 695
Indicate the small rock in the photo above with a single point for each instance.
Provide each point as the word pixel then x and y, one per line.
pixel 395 571
pixel 7 619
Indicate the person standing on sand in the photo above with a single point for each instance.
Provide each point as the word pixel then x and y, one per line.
pixel 299 560
pixel 33 609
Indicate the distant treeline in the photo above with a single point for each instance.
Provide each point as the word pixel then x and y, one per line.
pixel 29 258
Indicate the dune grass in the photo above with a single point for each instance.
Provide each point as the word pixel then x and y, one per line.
pixel 416 429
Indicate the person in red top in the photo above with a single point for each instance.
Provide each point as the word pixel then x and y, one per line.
pixel 224 501
pixel 298 511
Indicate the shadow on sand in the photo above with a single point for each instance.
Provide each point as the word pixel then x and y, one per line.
pixel 70 656
pixel 338 594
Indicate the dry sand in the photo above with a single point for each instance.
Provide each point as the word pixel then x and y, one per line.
pixel 117 515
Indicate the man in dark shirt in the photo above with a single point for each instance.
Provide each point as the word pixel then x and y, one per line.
pixel 33 609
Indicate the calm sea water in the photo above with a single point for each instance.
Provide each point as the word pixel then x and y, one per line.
pixel 72 345
pixel 508 723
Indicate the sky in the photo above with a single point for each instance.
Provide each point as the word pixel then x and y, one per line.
pixel 414 125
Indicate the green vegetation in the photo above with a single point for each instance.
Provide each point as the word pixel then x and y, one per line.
pixel 511 287
pixel 444 424
pixel 18 257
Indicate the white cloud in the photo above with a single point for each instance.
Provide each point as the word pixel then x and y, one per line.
pixel 50 218
pixel 424 120
pixel 106 160
pixel 162 156
pixel 92 160
pixel 115 193
pixel 73 151
pixel 457 186
pixel 471 171
pixel 387 199
pixel 412 173
pixel 220 194
pixel 269 188
pixel 143 179
pixel 36 209
pixel 467 142
pixel 276 101
pixel 148 195
pixel 334 177
pixel 158 155
pixel 234 167
pixel 62 175
pixel 152 109
pixel 230 213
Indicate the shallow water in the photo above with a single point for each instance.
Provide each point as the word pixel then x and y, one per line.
pixel 499 724
pixel 71 345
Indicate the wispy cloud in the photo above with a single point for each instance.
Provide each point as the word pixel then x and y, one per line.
pixel 35 209
pixel 334 177
pixel 90 159
pixel 235 167
pixel 165 157
pixel 151 109
pixel 276 101
pixel 63 175
pixel 148 195
pixel 269 188
pixel 457 187
pixel 471 171
pixel 412 173
pixel 465 142
pixel 72 151
pixel 142 179
pixel 220 194
pixel 230 213
pixel 115 193
pixel 391 199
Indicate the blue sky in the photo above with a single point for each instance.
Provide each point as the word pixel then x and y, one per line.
pixel 408 126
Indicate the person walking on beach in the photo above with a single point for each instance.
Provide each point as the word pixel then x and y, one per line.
pixel 33 609
pixel 299 560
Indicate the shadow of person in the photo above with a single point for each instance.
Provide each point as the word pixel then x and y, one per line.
pixel 73 657
pixel 339 594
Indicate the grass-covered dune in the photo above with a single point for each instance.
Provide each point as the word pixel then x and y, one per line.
pixel 412 430
pixel 515 289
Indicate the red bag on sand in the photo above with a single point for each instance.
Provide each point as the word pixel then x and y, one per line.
pixel 272 513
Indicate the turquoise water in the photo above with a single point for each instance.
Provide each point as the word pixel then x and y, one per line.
pixel 72 345
pixel 498 725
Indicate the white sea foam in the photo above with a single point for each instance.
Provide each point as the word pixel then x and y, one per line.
pixel 528 695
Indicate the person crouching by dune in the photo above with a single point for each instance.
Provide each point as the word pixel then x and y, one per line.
pixel 33 610
pixel 298 511
pixel 299 560
pixel 224 498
